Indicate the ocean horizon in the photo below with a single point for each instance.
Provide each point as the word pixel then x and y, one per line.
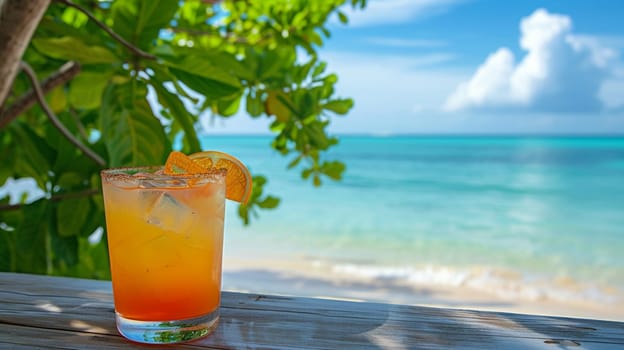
pixel 207 133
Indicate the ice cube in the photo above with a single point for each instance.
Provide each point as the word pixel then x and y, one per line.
pixel 168 213
pixel 146 183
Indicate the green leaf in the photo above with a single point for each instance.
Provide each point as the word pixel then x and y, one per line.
pixel 180 115
pixel 125 13
pixel 153 15
pixel 71 215
pixel 30 243
pixel 225 61
pixel 302 71
pixel 227 107
pixel 259 181
pixel 7 259
pixel 120 79
pixel 269 202
pixel 7 157
pixel 343 18
pixel 243 213
pixel 316 180
pixel 163 75
pixel 339 106
pixel 71 180
pixel 64 249
pixel 52 27
pixel 333 169
pixel 280 142
pixel 306 173
pixel 34 154
pixel 257 200
pixel 8 236
pixel 205 78
pixel 331 79
pixel 192 13
pixel 67 155
pixel 314 38
pixel 254 105
pixel 74 17
pixel 95 218
pixel 326 32
pixel 307 105
pixel 132 134
pixel 358 3
pixel 277 104
pixel 85 91
pixel 93 261
pixel 64 244
pixel 10 218
pixel 271 64
pixel 277 126
pixel 72 48
pixel 295 161
pixel 140 21
pixel 299 19
pixel 317 136
pixel 57 99
pixel 319 69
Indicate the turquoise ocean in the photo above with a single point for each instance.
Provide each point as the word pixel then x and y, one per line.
pixel 541 217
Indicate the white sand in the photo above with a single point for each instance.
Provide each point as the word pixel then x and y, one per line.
pixel 310 279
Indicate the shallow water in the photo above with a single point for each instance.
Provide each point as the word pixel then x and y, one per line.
pixel 536 217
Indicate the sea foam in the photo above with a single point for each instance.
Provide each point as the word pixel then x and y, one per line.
pixel 504 283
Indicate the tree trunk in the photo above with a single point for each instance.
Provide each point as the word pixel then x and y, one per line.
pixel 18 21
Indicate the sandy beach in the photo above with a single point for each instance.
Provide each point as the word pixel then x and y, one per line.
pixel 311 279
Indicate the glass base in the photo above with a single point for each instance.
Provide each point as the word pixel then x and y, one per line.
pixel 167 332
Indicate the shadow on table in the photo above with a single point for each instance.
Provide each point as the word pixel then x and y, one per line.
pixel 299 322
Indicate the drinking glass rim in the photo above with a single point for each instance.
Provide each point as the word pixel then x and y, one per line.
pixel 122 173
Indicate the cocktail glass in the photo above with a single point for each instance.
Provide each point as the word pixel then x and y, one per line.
pixel 165 243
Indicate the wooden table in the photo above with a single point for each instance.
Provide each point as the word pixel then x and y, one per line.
pixel 67 313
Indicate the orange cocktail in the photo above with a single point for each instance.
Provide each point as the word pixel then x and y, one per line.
pixel 165 241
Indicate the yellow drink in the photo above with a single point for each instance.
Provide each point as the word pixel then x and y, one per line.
pixel 165 241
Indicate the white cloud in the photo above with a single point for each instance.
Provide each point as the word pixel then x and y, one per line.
pixel 398 11
pixel 560 72
pixel 397 94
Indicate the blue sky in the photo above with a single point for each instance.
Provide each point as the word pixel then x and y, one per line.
pixel 477 67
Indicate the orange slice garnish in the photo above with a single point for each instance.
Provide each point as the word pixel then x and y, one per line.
pixel 179 163
pixel 238 179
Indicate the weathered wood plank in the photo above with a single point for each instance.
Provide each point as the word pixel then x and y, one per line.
pixel 24 337
pixel 66 313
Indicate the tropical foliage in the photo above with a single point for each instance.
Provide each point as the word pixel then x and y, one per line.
pixel 131 103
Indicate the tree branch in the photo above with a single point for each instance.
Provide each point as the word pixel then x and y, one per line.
pixel 108 30
pixel 79 125
pixel 55 121
pixel 18 21
pixel 55 198
pixel 66 73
